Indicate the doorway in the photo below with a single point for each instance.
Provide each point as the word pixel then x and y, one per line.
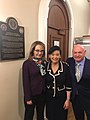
pixel 58 27
pixel 43 20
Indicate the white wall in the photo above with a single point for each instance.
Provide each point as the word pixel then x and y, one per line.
pixel 81 13
pixel 26 13
pixel 11 96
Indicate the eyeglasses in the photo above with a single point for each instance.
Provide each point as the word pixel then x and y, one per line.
pixel 42 51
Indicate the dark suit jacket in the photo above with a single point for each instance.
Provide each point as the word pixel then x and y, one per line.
pixel 33 82
pixel 82 88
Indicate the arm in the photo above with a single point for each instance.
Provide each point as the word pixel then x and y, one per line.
pixel 67 102
pixel 68 88
pixel 26 82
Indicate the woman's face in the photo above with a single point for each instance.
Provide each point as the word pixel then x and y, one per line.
pixel 55 56
pixel 39 51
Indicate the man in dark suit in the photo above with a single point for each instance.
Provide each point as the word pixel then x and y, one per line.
pixel 80 88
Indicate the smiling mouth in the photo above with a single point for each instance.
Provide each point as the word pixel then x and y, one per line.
pixel 55 59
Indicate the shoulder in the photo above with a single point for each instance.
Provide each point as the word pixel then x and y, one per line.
pixel 87 61
pixel 70 60
pixel 65 63
pixel 27 62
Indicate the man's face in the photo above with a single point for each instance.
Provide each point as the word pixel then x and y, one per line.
pixel 78 53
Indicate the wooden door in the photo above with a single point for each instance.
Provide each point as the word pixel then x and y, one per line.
pixel 58 27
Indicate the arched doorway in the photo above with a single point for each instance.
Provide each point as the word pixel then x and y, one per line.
pixel 42 22
pixel 58 27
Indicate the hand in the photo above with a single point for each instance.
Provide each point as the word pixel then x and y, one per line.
pixel 29 102
pixel 66 104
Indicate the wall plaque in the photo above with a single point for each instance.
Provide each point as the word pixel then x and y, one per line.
pixel 11 40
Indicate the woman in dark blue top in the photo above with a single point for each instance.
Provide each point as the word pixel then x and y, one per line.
pixel 34 81
pixel 58 86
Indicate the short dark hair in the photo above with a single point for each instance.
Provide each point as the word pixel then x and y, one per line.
pixel 54 48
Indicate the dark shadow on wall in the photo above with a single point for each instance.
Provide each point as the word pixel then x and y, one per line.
pixel 20 96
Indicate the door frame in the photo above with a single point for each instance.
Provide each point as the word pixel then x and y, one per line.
pixel 42 23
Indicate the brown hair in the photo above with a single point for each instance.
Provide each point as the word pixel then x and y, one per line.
pixel 33 48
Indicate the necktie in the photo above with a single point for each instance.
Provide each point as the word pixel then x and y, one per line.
pixel 78 74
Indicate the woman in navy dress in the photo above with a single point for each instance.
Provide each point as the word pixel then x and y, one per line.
pixel 58 86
